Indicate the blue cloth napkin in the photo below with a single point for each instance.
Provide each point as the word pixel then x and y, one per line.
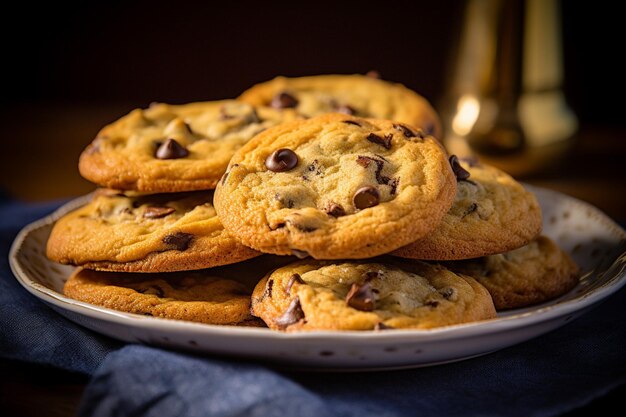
pixel 546 376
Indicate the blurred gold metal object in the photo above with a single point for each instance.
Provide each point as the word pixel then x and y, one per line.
pixel 505 100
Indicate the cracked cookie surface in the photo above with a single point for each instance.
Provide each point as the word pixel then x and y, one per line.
pixel 532 274
pixel 321 295
pixel 191 296
pixel 492 213
pixel 334 187
pixel 357 95
pixel 145 233
pixel 172 148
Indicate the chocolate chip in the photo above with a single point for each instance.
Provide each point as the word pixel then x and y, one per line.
pixel 432 304
pixel 155 212
pixel 370 275
pixel 281 160
pixel 382 326
pixel 293 279
pixel 314 167
pixel 373 74
pixel 179 240
pixel 171 149
pixel 364 161
pixel 366 197
pixel 292 315
pixel 394 185
pixel 351 122
pixel 408 133
pixel 345 109
pixel 300 254
pixel 460 172
pixel 447 292
pixel 277 226
pixel 284 100
pixel 153 290
pixel 361 297
pixel 335 210
pixel 268 289
pixel 382 179
pixel 384 141
pixel 472 208
pixel 285 202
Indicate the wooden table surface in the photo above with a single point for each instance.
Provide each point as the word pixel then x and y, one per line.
pixel 39 162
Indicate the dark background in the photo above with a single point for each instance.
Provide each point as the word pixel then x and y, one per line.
pixel 68 70
pixel 143 51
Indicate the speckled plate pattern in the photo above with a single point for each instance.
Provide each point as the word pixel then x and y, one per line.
pixel 596 243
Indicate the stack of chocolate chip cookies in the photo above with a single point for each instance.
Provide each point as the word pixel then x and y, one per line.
pixel 205 209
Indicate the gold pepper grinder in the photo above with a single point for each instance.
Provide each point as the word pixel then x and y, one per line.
pixel 505 101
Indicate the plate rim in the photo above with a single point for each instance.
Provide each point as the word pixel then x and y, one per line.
pixel 472 329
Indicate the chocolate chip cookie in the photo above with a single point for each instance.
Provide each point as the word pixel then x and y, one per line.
pixel 335 186
pixel 532 274
pixel 320 295
pixel 492 213
pixel 191 296
pixel 168 148
pixel 356 95
pixel 145 233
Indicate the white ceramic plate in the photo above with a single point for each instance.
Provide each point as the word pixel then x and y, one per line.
pixel 594 241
